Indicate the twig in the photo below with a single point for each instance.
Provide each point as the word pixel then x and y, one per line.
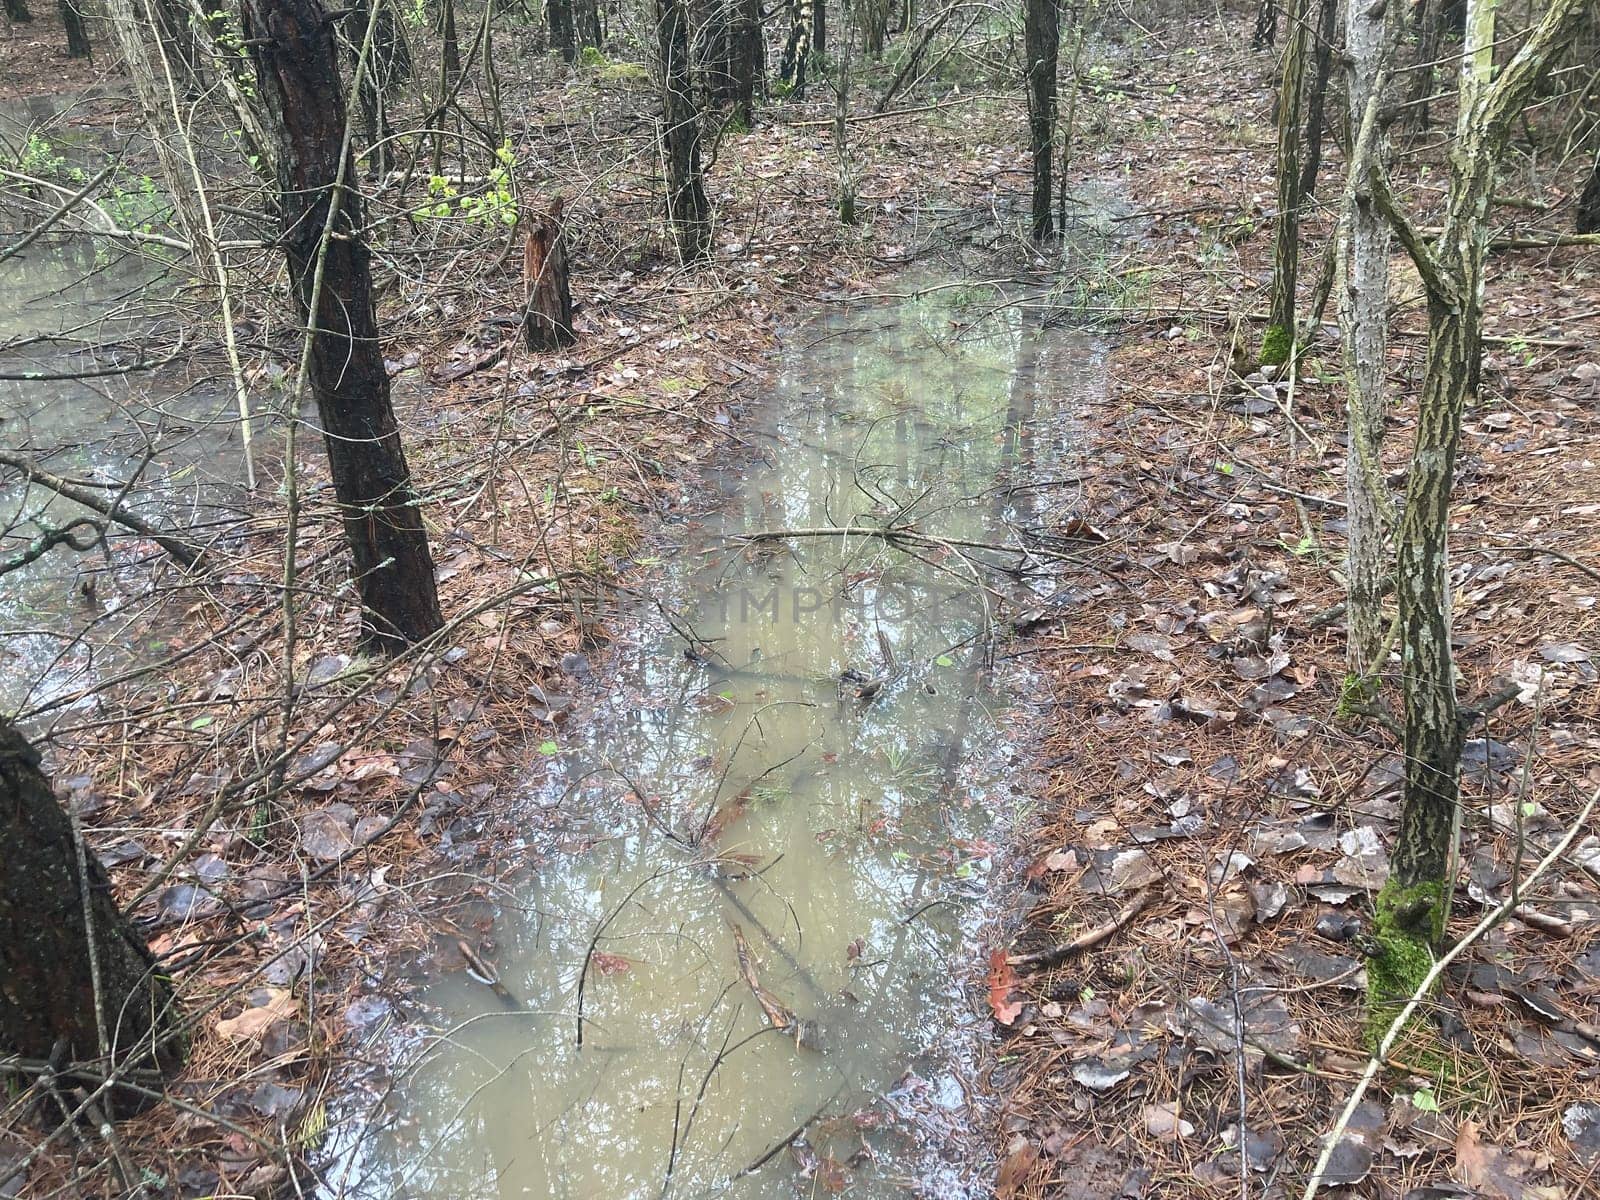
pixel 1039 960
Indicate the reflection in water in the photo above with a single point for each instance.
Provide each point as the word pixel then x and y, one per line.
pixel 787 796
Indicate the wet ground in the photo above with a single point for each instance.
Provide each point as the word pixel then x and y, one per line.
pixel 743 965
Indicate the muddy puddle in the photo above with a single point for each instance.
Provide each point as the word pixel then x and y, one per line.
pixel 741 962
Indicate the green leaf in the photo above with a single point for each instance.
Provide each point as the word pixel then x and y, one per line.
pixel 549 749
pixel 944 660
pixel 1423 1100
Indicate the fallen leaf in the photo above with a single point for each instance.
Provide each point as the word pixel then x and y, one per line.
pixel 1002 980
pixel 609 964
pixel 1162 1121
pixel 1015 1167
pixel 253 1023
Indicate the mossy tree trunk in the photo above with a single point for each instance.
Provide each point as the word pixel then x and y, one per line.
pixel 1041 40
pixel 1414 906
pixel 688 209
pixel 91 983
pixel 1277 342
pixel 297 75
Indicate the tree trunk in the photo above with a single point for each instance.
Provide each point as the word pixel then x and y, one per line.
pixel 688 210
pixel 1363 255
pixel 1041 40
pixel 1414 905
pixel 1317 102
pixel 1589 203
pixel 17 10
pixel 388 63
pixel 450 47
pixel 819 26
pixel 797 50
pixel 548 320
pixel 1266 32
pixel 562 34
pixel 77 33
pixel 586 21
pixel 744 64
pixel 298 79
pixel 1277 342
pixel 50 957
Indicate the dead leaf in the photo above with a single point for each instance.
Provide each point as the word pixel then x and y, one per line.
pixel 1002 981
pixel 609 964
pixel 253 1023
pixel 1015 1168
pixel 1500 1174
pixel 1163 1121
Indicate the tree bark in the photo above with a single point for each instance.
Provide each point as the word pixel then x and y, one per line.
pixel 1317 102
pixel 50 955
pixel 1278 341
pixel 586 23
pixel 1589 203
pixel 17 10
pixel 1041 37
pixel 819 26
pixel 1266 32
pixel 563 37
pixel 548 321
pixel 297 75
pixel 1363 257
pixel 77 32
pixel 797 50
pixel 745 60
pixel 688 210
pixel 450 46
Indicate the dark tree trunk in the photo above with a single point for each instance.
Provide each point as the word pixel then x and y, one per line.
pixel 17 10
pixel 1277 341
pixel 819 26
pixel 586 16
pixel 297 74
pixel 1589 202
pixel 687 207
pixel 388 63
pixel 77 33
pixel 797 50
pixel 1317 101
pixel 562 35
pixel 745 62
pixel 1041 41
pixel 714 51
pixel 47 991
pixel 450 51
pixel 1266 25
pixel 548 320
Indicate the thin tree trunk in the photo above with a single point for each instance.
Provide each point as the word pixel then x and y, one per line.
pixel 1041 37
pixel 77 32
pixel 17 10
pixel 91 984
pixel 688 210
pixel 1277 342
pixel 819 26
pixel 1426 22
pixel 745 60
pixel 1414 905
pixel 1363 255
pixel 450 48
pixel 841 138
pixel 298 79
pixel 1266 32
pixel 1317 102
pixel 797 50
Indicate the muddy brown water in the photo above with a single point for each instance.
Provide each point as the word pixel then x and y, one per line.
pixel 727 788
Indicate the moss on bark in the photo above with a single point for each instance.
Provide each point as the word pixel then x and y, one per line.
pixel 1275 346
pixel 1407 923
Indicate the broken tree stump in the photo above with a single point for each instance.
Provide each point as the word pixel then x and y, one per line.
pixel 547 318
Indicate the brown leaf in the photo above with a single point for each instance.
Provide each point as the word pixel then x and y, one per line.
pixel 1014 1168
pixel 253 1023
pixel 1002 980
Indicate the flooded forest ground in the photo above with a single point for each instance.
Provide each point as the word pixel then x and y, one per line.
pixel 625 890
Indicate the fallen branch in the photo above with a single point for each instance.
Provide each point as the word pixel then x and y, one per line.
pixel 187 554
pixel 1040 960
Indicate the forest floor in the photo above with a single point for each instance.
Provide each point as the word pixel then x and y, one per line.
pixel 1233 827
pixel 1228 845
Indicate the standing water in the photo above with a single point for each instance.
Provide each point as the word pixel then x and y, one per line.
pixel 756 977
